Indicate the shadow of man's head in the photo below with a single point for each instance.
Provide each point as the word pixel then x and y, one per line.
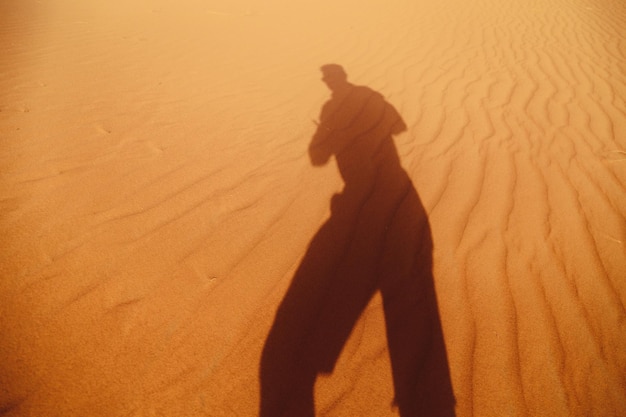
pixel 334 76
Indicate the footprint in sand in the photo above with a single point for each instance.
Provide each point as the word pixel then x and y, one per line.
pixel 615 155
pixel 101 129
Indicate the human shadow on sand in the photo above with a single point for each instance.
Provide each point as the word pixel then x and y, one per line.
pixel 376 239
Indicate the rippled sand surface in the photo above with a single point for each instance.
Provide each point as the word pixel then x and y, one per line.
pixel 158 204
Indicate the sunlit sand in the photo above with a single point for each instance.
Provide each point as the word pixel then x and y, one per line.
pixel 180 236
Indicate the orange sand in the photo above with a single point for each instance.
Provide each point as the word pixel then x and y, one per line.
pixel 157 198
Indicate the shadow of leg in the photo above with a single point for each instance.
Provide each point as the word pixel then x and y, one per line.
pixel 414 335
pixel 297 347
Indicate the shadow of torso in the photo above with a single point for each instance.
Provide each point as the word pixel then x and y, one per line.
pixel 376 239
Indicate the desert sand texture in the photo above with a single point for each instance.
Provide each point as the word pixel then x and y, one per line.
pixel 194 223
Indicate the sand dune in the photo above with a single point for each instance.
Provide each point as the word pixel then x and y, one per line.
pixel 158 204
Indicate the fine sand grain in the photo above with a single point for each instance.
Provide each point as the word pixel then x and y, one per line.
pixel 158 203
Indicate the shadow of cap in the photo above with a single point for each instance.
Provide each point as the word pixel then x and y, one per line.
pixel 333 71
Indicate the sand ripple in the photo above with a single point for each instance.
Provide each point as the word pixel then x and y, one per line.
pixel 156 198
